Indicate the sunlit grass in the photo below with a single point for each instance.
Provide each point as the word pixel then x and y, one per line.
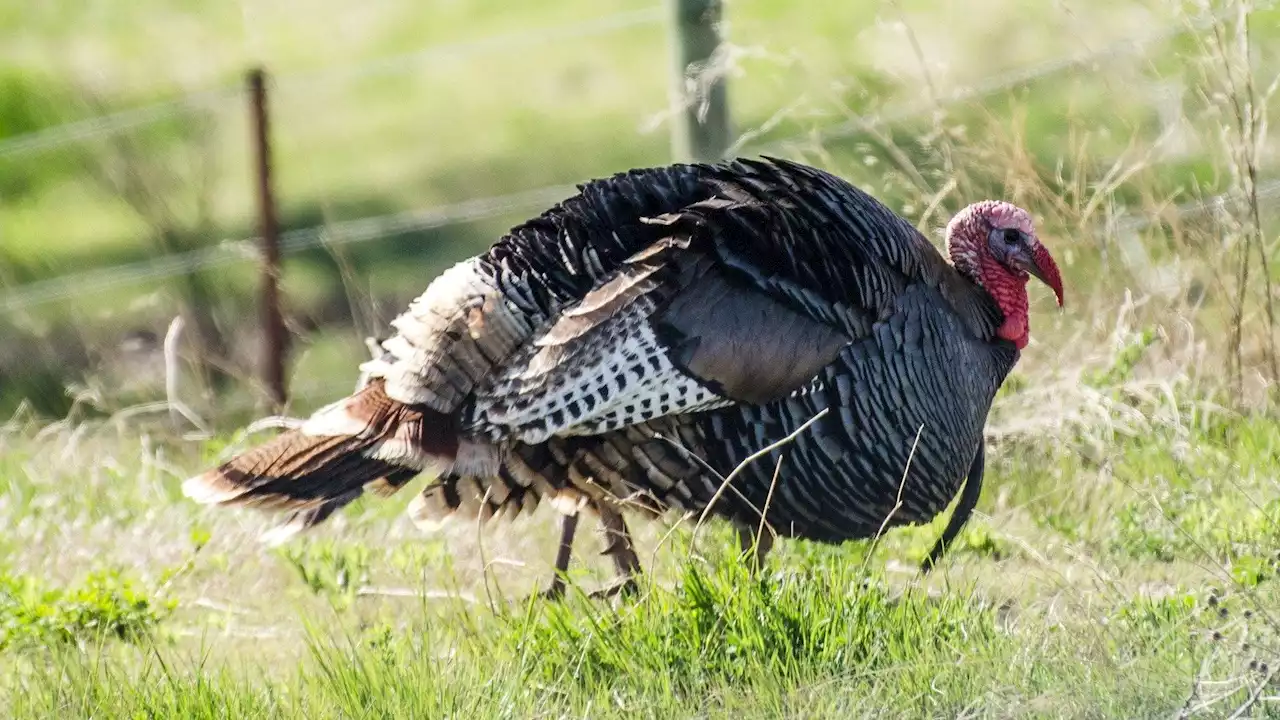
pixel 1082 588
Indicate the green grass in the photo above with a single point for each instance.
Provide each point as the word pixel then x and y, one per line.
pixel 1107 580
pixel 826 645
pixel 104 607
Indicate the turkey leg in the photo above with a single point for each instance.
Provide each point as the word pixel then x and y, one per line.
pixel 568 527
pixel 619 547
pixel 968 500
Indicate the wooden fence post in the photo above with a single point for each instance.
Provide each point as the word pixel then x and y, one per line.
pixel 700 129
pixel 273 332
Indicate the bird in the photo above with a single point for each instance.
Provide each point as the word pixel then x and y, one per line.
pixel 638 345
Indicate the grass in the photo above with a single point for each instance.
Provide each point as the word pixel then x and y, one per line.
pixel 1122 562
pixel 1113 579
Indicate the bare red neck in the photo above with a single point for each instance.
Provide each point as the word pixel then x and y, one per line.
pixel 967 247
pixel 1009 290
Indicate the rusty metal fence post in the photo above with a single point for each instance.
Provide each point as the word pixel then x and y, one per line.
pixel 275 340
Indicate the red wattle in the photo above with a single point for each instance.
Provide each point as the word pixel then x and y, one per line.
pixel 1010 293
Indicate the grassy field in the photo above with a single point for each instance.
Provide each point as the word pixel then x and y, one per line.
pixel 1124 558
pixel 1125 572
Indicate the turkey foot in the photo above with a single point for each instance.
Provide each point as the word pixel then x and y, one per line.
pixel 625 587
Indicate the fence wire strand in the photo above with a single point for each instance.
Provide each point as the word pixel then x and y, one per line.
pixel 372 228
pixel 993 84
pixel 314 80
pixel 291 242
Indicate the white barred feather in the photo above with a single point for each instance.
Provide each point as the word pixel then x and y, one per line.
pixel 613 375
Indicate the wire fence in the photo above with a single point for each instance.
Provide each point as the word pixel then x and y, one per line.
pixel 375 227
pixel 1003 81
pixel 293 241
pixel 310 81
pixel 1209 206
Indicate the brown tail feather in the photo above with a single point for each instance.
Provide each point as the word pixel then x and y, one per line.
pixel 301 520
pixel 367 439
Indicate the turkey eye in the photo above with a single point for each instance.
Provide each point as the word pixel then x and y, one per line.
pixel 1012 237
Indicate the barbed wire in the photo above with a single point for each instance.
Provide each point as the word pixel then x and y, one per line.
pixel 90 128
pixel 375 227
pixel 309 81
pixel 391 64
pixel 291 242
pixel 1212 205
pixel 81 130
pixel 382 226
pixel 990 85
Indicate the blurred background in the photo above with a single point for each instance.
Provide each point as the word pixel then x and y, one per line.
pixel 405 136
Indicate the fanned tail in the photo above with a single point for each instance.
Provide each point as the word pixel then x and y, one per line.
pixel 363 442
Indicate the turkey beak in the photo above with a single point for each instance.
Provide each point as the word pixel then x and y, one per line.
pixel 1039 264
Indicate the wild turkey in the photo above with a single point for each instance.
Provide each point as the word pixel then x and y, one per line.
pixel 634 344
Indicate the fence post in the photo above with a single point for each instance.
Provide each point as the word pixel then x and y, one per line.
pixel 274 338
pixel 700 129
